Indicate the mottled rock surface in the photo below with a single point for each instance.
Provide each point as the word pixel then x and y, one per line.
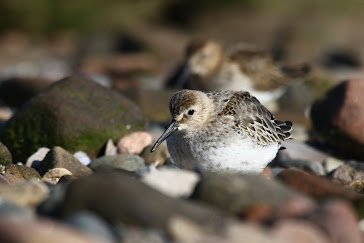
pixel 20 173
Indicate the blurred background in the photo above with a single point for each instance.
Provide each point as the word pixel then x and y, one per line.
pixel 133 44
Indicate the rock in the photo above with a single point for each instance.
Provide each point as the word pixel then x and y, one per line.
pixel 12 211
pixel 300 151
pixel 119 197
pixel 5 155
pixel 314 186
pixel 331 164
pixel 315 167
pixel 57 157
pixel 110 148
pixel 344 175
pixel 3 180
pixel 35 159
pixel 20 173
pixel 357 185
pixel 82 157
pixel 27 194
pixel 134 143
pixel 339 221
pixel 338 118
pixel 129 162
pixel 172 182
pixel 133 234
pixel 185 231
pixel 229 192
pixel 5 113
pixel 91 115
pixel 55 174
pixel 298 231
pixel 92 225
pixel 40 230
pixel 51 204
pixel 158 157
pixel 348 176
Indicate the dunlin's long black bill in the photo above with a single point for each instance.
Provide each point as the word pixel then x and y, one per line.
pixel 172 127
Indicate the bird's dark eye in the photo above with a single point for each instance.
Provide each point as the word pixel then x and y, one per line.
pixel 190 112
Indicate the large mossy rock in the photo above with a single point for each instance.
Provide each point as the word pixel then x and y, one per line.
pixel 74 113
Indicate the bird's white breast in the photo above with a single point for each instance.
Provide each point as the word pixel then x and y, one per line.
pixel 232 154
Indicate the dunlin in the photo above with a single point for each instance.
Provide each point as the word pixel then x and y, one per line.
pixel 222 131
pixel 208 67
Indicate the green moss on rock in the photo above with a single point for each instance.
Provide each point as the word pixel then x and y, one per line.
pixel 74 113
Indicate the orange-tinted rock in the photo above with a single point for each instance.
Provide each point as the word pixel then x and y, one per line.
pixel 315 186
pixel 338 117
pixel 134 143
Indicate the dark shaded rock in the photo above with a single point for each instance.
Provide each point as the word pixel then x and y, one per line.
pixel 229 192
pixel 339 221
pixel 336 59
pixel 315 186
pixel 5 155
pixel 338 118
pixel 57 157
pixel 129 162
pixel 117 196
pixel 15 92
pixel 40 230
pixel 20 173
pixel 51 204
pixel 74 113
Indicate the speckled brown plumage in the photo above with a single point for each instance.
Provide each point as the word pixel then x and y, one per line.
pixel 222 130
